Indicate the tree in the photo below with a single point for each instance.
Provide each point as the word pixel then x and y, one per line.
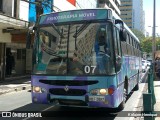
pixel 139 34
pixel 146 44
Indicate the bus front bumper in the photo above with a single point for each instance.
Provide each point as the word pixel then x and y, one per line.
pixel 82 101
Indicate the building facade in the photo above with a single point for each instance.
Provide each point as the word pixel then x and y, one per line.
pixel 126 9
pixel 113 4
pixel 13 25
pixel 15 16
pixel 62 5
pixel 82 4
pixel 138 15
pixel 132 14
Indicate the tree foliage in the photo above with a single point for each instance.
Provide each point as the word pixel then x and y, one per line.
pixel 146 44
pixel 139 34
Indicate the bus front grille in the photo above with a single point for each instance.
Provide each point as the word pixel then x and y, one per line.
pixel 69 92
pixel 69 82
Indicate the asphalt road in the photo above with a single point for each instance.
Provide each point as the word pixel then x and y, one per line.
pixel 21 102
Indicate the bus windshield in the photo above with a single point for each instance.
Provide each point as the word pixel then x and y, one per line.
pixel 74 49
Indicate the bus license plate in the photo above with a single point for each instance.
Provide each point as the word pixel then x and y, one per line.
pixel 97 98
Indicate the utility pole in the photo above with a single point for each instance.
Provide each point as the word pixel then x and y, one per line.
pixel 38 5
pixel 154 31
pixel 39 8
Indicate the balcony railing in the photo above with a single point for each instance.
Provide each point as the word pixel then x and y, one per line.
pixel 4 19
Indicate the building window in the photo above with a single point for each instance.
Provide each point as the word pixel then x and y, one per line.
pixel 21 54
pixel 1 5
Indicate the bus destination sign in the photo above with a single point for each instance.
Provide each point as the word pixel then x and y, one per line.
pixel 75 15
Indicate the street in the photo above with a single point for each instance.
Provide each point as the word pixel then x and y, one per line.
pixel 21 102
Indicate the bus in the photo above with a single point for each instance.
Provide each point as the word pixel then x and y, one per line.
pixel 84 58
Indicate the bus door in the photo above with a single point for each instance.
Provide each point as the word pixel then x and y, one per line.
pixel 118 52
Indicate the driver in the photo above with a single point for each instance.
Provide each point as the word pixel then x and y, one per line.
pixel 102 50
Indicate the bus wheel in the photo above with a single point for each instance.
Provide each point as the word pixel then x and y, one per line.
pixel 122 105
pixel 136 87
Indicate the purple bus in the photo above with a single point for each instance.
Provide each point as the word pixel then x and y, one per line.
pixel 84 58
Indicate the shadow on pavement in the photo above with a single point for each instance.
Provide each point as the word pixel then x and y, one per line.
pixel 18 81
pixel 68 113
pixel 157 86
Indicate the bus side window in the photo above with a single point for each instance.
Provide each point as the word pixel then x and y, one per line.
pixel 118 50
pixel 118 43
pixel 127 45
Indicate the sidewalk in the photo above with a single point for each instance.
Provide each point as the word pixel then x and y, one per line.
pixel 156 106
pixel 15 84
pixel 157 95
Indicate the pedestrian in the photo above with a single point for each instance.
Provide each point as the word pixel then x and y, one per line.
pixel 157 67
pixel 102 50
pixel 10 63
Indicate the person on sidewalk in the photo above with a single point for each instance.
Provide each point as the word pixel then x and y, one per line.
pixel 157 66
pixel 10 63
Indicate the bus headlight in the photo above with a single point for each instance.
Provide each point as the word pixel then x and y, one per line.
pixel 38 89
pixel 103 92
pixel 99 92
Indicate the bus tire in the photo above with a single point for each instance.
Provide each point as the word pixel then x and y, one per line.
pixel 122 104
pixel 136 87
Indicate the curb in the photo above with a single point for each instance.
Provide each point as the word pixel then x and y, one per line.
pixel 16 89
pixel 138 102
pixel 15 78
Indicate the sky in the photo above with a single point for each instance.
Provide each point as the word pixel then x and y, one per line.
pixel 148 8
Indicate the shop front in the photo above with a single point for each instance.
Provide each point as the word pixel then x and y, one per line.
pixel 12 47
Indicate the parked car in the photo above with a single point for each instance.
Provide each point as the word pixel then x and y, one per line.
pixel 144 62
pixel 144 65
pixel 143 68
pixel 148 63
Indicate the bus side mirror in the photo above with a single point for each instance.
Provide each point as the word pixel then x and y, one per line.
pixel 31 30
pixel 34 28
pixel 123 35
pixel 118 21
